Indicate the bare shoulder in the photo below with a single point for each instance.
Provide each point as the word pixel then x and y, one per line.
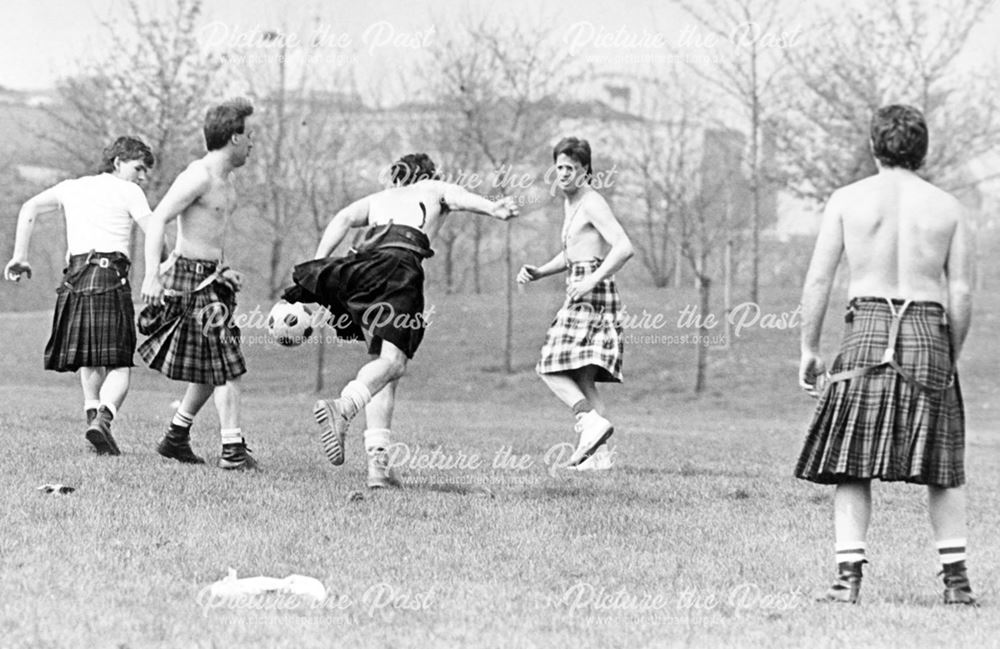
pixel 195 175
pixel 596 205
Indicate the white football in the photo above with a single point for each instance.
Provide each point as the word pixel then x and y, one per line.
pixel 290 323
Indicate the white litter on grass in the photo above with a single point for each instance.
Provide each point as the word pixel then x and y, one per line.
pixel 299 585
pixel 175 404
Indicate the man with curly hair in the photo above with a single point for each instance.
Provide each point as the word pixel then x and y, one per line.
pixel 376 292
pixel 93 327
pixel 891 407
pixel 191 297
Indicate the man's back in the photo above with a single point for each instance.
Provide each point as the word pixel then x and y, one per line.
pixel 897 233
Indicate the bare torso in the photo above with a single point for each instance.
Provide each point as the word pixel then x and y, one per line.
pixel 201 226
pixel 897 233
pixel 581 240
pixel 421 205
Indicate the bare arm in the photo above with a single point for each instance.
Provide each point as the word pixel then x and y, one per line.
pixel 816 292
pixel 354 215
pixel 187 188
pixel 530 273
pixel 457 198
pixel 958 273
pixel 612 232
pixel 46 201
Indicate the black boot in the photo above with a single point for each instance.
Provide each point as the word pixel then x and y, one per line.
pixel 236 457
pixel 99 433
pixel 957 589
pixel 176 445
pixel 847 588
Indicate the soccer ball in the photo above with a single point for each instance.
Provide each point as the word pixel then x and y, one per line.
pixel 290 323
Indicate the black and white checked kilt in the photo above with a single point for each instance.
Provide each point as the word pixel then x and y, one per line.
pixel 196 340
pixel 880 425
pixel 586 331
pixel 94 321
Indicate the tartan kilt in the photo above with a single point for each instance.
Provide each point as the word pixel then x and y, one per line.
pixel 196 340
pixel 586 331
pixel 94 320
pixel 375 294
pixel 880 425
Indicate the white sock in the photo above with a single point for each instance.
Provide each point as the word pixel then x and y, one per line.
pixel 851 551
pixel 376 438
pixel 951 550
pixel 182 419
pixel 91 404
pixel 354 397
pixel 232 435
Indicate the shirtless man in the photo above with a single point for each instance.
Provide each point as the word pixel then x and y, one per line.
pixel 891 408
pixel 584 343
pixel 191 336
pixel 376 292
pixel 93 326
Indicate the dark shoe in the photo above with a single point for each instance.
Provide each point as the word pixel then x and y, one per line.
pixel 99 433
pixel 236 457
pixel 176 445
pixel 957 589
pixel 91 415
pixel 847 588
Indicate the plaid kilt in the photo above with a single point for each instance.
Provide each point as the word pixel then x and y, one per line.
pixel 587 331
pixel 378 294
pixel 196 340
pixel 880 425
pixel 94 321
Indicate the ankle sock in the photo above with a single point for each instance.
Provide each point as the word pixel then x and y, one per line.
pixel 354 397
pixel 182 419
pixel 851 551
pixel 232 436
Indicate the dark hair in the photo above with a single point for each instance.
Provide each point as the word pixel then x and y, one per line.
pixel 575 148
pixel 899 136
pixel 412 168
pixel 225 120
pixel 125 148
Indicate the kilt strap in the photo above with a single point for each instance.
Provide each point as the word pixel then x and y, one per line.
pixel 889 359
pixel 113 261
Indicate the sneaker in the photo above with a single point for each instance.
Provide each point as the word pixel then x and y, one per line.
pixel 957 589
pixel 847 588
pixel 176 445
pixel 99 433
pixel 594 430
pixel 236 457
pixel 333 427
pixel 601 460
pixel 380 474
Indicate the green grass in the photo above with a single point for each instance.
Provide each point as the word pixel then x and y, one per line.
pixel 700 508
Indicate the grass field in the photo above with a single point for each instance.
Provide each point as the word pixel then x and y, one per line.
pixel 699 537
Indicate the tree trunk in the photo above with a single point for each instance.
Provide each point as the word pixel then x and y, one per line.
pixel 508 351
pixel 320 359
pixel 704 286
pixel 477 241
pixel 754 180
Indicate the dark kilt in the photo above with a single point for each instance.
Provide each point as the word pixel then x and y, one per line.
pixel 587 331
pixel 378 294
pixel 94 321
pixel 196 340
pixel 880 425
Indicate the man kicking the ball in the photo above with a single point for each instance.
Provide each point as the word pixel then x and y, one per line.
pixel 379 288
pixel 93 327
pixel 191 336
pixel 584 344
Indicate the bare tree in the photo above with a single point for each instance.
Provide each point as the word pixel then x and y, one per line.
pixel 912 54
pixel 749 27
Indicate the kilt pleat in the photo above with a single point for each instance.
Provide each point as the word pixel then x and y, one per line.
pixel 93 324
pixel 881 425
pixel 197 341
pixel 586 331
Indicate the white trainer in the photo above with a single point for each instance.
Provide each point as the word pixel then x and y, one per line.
pixel 594 430
pixel 601 460
pixel 380 474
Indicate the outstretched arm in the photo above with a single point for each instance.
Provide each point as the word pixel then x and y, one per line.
pixel 958 273
pixel 35 206
pixel 354 215
pixel 187 188
pixel 457 198
pixel 816 293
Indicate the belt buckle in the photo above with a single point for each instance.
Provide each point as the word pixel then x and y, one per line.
pixel 199 268
pixel 104 262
